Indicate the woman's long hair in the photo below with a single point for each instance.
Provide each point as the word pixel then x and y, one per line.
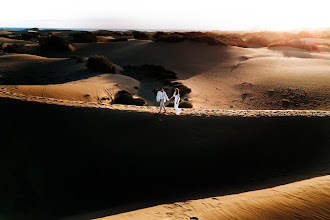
pixel 176 91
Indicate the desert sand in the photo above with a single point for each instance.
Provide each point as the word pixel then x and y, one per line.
pixel 230 77
pixel 308 199
pixel 254 145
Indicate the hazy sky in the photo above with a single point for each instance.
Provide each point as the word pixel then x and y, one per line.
pixel 166 14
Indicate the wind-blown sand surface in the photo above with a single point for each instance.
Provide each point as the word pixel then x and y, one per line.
pixel 220 77
pixel 232 77
pixel 308 199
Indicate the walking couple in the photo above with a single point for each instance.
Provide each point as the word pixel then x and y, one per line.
pixel 162 98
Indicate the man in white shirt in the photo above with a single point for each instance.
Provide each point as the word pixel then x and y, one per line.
pixel 162 98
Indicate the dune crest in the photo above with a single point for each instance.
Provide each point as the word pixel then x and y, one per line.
pixel 9 92
pixel 307 199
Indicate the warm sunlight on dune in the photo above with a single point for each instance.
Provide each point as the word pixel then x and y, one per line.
pixel 308 199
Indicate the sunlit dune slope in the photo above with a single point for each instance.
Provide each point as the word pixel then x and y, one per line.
pixel 220 77
pixel 232 77
pixel 308 199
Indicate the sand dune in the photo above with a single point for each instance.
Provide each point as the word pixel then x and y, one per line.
pixel 61 78
pixel 14 41
pixel 233 78
pixel 72 94
pixel 308 199
pixel 94 89
pixel 229 77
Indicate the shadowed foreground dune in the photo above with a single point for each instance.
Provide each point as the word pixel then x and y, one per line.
pixel 60 161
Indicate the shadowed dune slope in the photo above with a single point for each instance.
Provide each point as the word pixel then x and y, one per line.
pixel 18 69
pixel 60 161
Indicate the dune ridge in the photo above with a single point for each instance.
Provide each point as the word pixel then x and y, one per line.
pixel 154 109
pixel 307 199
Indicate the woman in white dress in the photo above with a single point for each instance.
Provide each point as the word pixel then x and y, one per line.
pixel 176 97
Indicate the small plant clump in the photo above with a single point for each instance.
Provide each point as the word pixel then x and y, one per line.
pixel 140 35
pixel 55 43
pixel 182 104
pixel 100 64
pixel 28 36
pixel 126 98
pixel 84 37
pixel 152 72
pixel 7 48
pixel 209 38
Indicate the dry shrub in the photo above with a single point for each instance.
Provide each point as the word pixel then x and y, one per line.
pixel 84 37
pixel 127 98
pixel 100 64
pixel 55 43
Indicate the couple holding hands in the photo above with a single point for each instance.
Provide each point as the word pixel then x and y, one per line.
pixel 162 98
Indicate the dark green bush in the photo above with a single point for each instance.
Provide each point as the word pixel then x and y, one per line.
pixel 170 38
pixel 158 34
pixel 4 35
pixel 170 104
pixel 1 48
pixel 28 36
pixel 119 39
pixel 209 39
pixel 10 49
pixel 103 33
pixel 56 43
pixel 126 98
pixel 152 71
pixel 185 104
pixel 140 35
pixel 184 90
pixel 84 37
pixel 100 64
pixel 167 81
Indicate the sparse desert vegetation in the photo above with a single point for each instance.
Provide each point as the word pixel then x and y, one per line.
pixel 100 64
pixel 208 38
pixel 150 71
pixel 249 39
pixel 55 43
pixel 84 37
pixel 8 48
pixel 182 104
pixel 140 35
pixel 124 97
